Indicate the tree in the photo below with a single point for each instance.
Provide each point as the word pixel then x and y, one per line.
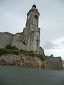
pixel 51 56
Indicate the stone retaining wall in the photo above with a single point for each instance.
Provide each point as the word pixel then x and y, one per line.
pixel 30 62
pixel 19 60
pixel 53 63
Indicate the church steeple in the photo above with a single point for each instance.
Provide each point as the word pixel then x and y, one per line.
pixel 32 16
pixel 32 31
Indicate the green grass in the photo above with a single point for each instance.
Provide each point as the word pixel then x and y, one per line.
pixel 3 51
pixel 13 49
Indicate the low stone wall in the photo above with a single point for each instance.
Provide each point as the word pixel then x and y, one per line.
pixel 24 60
pixel 19 60
pixel 54 63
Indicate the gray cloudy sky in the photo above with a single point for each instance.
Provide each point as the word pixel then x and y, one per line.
pixel 13 14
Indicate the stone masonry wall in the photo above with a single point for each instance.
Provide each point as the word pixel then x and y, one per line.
pixel 25 60
pixel 18 41
pixel 19 60
pixel 5 38
pixel 54 63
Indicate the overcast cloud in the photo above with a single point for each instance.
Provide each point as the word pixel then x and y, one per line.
pixel 13 14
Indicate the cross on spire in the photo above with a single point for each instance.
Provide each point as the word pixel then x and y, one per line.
pixel 34 3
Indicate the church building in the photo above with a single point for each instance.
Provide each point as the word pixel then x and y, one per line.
pixel 29 39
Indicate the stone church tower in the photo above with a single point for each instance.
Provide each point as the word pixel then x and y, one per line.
pixel 29 39
pixel 31 31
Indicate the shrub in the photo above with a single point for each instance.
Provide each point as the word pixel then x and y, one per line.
pixel 3 51
pixel 8 46
pixel 51 56
pixel 42 57
pixel 31 51
pixel 14 47
pixel 11 47
pixel 32 54
pixel 22 50
pixel 15 52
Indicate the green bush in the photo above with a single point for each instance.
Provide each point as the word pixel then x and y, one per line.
pixel 3 51
pixel 22 50
pixel 31 51
pixel 8 46
pixel 6 51
pixel 14 47
pixel 42 57
pixel 15 52
pixel 32 54
pixel 51 56
pixel 11 47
